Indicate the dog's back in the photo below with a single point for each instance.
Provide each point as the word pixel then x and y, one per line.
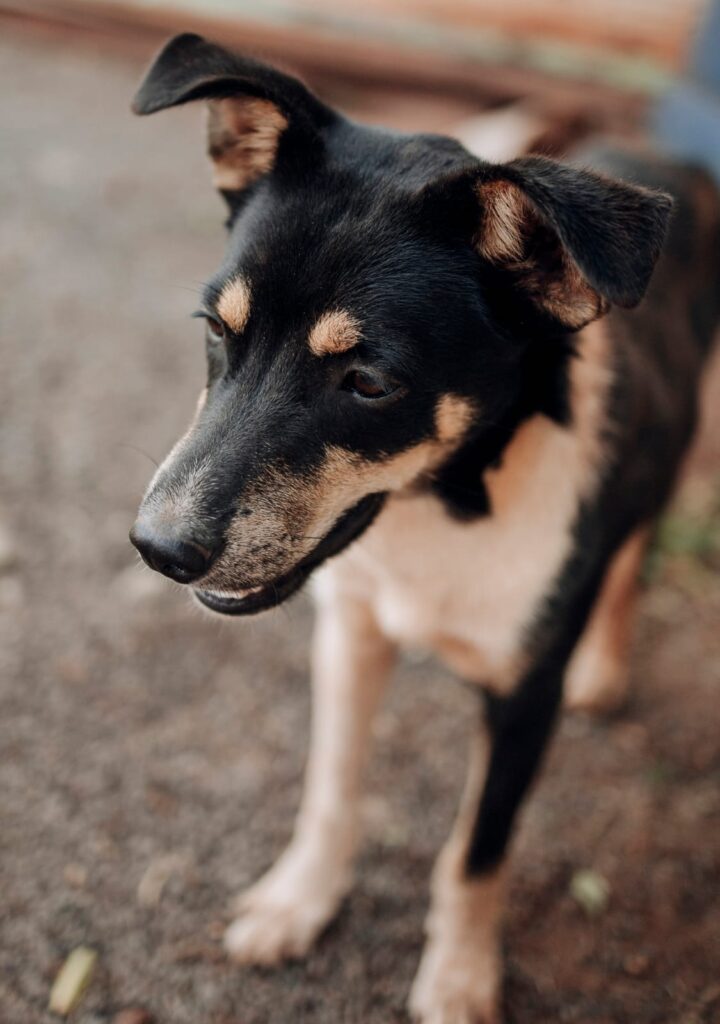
pixel 661 347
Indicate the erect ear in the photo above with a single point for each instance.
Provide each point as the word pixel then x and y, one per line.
pixel 253 109
pixel 574 241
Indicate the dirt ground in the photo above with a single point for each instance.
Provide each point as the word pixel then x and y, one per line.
pixel 142 744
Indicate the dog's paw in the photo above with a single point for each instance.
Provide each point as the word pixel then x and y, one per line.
pixel 269 932
pixel 456 985
pixel 282 915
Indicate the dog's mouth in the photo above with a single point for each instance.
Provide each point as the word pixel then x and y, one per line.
pixel 268 595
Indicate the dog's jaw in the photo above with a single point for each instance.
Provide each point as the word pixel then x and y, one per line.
pixel 260 598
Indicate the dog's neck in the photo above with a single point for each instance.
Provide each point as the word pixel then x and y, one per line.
pixel 562 392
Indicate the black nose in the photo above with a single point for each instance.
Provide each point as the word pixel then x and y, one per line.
pixel 180 558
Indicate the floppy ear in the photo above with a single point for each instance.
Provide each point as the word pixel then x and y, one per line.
pixel 574 241
pixel 254 110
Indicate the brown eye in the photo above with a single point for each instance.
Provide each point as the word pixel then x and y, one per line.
pixel 367 385
pixel 216 329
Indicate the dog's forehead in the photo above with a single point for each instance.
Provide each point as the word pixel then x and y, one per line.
pixel 356 204
pixel 344 252
pixel 331 225
pixel 329 265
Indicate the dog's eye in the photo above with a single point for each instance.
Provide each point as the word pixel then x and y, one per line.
pixel 216 329
pixel 367 385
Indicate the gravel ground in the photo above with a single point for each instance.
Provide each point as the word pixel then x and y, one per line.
pixel 150 759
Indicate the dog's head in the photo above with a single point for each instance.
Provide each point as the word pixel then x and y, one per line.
pixel 386 300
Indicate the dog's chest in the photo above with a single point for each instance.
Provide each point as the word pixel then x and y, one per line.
pixel 466 591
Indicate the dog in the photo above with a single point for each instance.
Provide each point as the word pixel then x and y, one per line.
pixel 432 385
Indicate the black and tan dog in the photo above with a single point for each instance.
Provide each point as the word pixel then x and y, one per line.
pixel 407 375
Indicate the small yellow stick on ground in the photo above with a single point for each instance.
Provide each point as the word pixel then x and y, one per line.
pixel 72 980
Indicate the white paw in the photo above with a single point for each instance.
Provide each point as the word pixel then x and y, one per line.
pixel 283 914
pixel 456 984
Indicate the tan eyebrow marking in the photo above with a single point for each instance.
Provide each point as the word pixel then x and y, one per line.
pixel 234 304
pixel 335 331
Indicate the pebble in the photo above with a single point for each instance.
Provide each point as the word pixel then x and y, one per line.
pixel 157 874
pixel 76 875
pixel 636 964
pixel 133 1015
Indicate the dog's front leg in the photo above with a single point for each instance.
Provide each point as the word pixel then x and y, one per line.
pixel 283 913
pixel 460 974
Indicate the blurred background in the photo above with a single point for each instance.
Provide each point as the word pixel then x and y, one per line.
pixel 150 759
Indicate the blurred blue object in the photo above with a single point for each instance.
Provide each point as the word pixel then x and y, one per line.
pixel 705 62
pixel 686 122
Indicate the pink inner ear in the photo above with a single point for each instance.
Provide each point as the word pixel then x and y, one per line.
pixel 243 136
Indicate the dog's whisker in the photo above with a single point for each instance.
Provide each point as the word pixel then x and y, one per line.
pixel 195 289
pixel 140 451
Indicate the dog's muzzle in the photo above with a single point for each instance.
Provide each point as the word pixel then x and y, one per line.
pixel 258 599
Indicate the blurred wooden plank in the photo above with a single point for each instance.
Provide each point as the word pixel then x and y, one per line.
pixel 330 58
pixel 657 28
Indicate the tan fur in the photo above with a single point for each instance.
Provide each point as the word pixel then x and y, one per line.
pixel 597 677
pixel 506 222
pixel 459 977
pixel 294 512
pixel 234 304
pixel 459 974
pixel 504 212
pixel 467 591
pixel 591 378
pixel 290 513
pixel 345 472
pixel 453 416
pixel 243 136
pixel 335 332
pixel 570 298
pixel 285 911
pixel 583 443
